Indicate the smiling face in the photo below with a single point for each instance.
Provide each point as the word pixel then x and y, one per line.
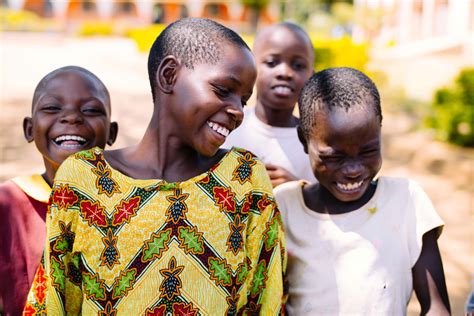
pixel 344 151
pixel 207 101
pixel 284 60
pixel 71 113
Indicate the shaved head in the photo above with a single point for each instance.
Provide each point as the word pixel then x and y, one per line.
pixel 291 27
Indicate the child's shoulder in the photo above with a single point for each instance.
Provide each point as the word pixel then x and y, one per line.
pixel 21 189
pixel 8 190
pixel 291 187
pixel 402 185
pixel 244 167
pixel 289 194
pixel 402 191
pixel 80 162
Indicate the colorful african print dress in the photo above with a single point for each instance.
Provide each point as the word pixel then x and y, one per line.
pixel 212 245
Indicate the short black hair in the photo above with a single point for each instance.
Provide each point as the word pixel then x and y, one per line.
pixel 336 87
pixel 193 41
pixel 44 81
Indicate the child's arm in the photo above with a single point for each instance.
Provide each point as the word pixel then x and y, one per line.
pixel 56 289
pixel 267 254
pixel 428 278
pixel 279 175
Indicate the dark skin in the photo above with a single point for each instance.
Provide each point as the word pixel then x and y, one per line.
pixel 70 103
pixel 179 142
pixel 284 62
pixel 345 156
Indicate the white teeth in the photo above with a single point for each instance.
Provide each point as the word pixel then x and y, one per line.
pixel 349 186
pixel 69 137
pixel 63 138
pixel 282 90
pixel 219 129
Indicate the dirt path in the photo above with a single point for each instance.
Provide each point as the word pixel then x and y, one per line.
pixel 445 172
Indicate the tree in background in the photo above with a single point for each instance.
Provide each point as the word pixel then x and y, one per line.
pixel 255 8
pixel 452 115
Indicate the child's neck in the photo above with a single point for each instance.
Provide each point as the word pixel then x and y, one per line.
pixel 277 118
pixel 320 200
pixel 159 157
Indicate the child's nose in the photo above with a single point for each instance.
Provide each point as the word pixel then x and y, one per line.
pixel 235 110
pixel 284 71
pixel 353 169
pixel 71 117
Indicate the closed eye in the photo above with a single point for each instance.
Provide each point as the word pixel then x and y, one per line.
pixel 331 159
pixel 370 152
pixel 51 108
pixel 220 91
pixel 93 111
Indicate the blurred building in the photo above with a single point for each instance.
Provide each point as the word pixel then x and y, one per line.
pixel 145 11
pixel 421 25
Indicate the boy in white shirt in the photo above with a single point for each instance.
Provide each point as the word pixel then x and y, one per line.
pixel 356 246
pixel 284 56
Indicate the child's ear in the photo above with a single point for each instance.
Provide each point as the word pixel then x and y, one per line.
pixel 113 131
pixel 167 73
pixel 302 138
pixel 28 129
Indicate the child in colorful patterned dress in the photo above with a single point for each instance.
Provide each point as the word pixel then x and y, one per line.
pixel 172 225
pixel 356 246
pixel 70 113
pixel 285 56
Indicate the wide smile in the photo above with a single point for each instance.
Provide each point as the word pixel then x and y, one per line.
pixel 70 141
pixel 350 187
pixel 219 129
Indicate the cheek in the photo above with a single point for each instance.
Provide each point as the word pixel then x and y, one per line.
pixel 377 164
pixel 262 77
pixel 318 166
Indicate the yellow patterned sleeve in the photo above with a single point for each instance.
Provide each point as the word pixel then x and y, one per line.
pixel 56 289
pixel 266 250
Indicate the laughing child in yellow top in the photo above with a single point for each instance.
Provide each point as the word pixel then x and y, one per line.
pixel 173 224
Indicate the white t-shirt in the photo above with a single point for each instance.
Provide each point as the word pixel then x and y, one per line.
pixel 277 145
pixel 358 263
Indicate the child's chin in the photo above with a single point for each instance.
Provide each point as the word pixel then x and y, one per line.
pixel 209 153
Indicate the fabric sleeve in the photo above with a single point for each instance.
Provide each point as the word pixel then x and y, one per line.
pixel 266 251
pixel 422 219
pixel 56 287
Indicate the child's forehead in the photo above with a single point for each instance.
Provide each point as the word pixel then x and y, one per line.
pixel 340 119
pixel 282 37
pixel 71 82
pixel 72 77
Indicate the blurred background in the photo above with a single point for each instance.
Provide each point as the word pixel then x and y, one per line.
pixel 420 53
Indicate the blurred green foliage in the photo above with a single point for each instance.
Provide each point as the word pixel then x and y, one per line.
pixel 259 4
pixel 452 115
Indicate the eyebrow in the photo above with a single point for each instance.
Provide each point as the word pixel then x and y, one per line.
pixel 374 143
pixel 235 80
